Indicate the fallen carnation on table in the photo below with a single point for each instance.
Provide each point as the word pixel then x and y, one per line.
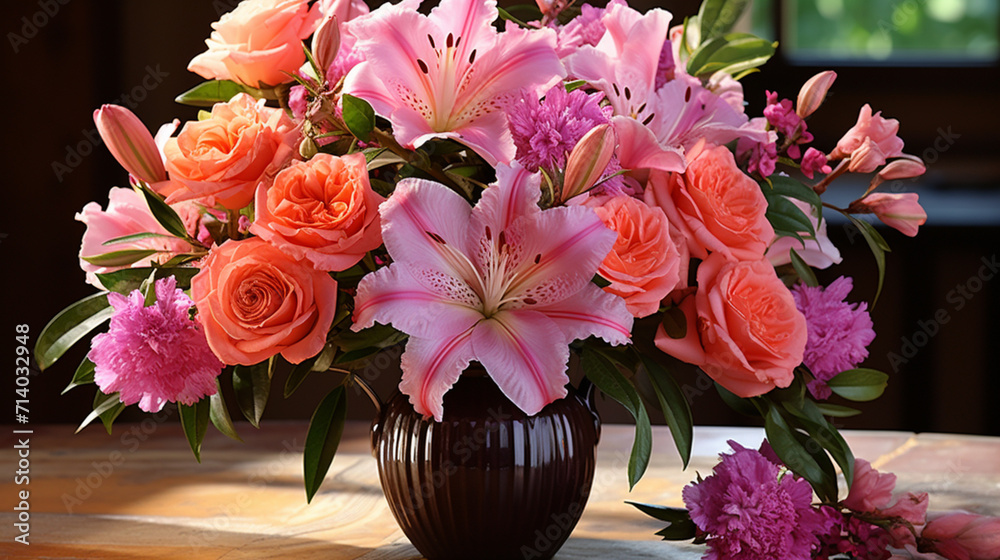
pixel 481 187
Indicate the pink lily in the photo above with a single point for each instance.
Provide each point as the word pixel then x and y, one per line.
pixel 130 142
pixel 445 75
pixel 654 125
pixel 503 283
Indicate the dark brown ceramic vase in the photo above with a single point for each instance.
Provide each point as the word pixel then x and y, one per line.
pixel 488 482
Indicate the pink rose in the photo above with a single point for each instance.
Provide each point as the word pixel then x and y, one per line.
pixel 222 159
pixel 902 212
pixel 715 206
pixel 259 43
pixel 128 214
pixel 960 534
pixel 323 210
pixel 819 252
pixel 881 133
pixel 649 259
pixel 254 302
pixel 743 328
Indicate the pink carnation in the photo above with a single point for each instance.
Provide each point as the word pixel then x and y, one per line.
pixel 838 332
pixel 749 514
pixel 154 354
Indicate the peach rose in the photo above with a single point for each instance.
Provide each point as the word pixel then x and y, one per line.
pixel 222 159
pixel 743 328
pixel 255 302
pixel 323 210
pixel 716 206
pixel 258 43
pixel 649 259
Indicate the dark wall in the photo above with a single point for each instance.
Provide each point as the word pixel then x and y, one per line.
pixel 62 64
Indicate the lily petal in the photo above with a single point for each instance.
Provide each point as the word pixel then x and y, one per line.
pixel 638 148
pixel 430 367
pixel 591 312
pixel 526 354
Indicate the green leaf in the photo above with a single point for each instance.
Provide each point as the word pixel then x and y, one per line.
pixel 676 410
pixel 69 326
pixel 194 420
pixel 323 438
pixel 106 407
pixel 718 17
pixel 804 271
pixel 575 84
pixel 878 247
pixel 164 214
pixel 860 384
pixel 607 378
pixel 211 92
pixel 381 158
pixel 785 215
pixel 124 257
pixel 809 418
pixel 219 413
pixel 359 345
pixel 84 375
pixel 808 460
pixel 359 117
pixel 128 279
pixel 505 15
pixel 662 513
pixel 679 531
pixel 732 53
pixel 837 411
pixel 793 188
pixel 739 404
pixel 137 237
pixel 319 362
pixel 252 385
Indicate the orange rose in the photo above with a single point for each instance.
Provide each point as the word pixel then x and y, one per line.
pixel 743 328
pixel 715 205
pixel 323 210
pixel 260 42
pixel 649 259
pixel 222 159
pixel 255 302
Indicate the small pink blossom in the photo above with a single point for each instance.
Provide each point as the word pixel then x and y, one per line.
pixel 881 131
pixel 154 354
pixel 814 161
pixel 902 211
pixel 787 122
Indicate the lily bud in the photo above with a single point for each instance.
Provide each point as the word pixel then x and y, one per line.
pixel 965 535
pixel 588 160
pixel 326 43
pixel 866 158
pixel 813 93
pixel 130 142
pixel 905 167
pixel 899 211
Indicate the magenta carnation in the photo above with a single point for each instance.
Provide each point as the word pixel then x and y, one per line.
pixel 838 332
pixel 853 537
pixel 154 354
pixel 748 513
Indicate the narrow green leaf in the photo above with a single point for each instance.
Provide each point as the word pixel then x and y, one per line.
pixel 741 405
pixel 124 257
pixel 837 411
pixel 323 438
pixel 128 279
pixel 607 378
pixel 809 418
pixel 718 17
pixel 137 237
pixel 878 247
pixel 194 420
pixel 793 188
pixel 784 214
pixel 219 413
pixel 804 271
pixel 359 117
pixel 382 158
pixel 164 214
pixel 105 406
pixel 211 92
pixel 732 53
pixel 505 15
pixel 860 384
pixel 807 460
pixel 319 362
pixel 575 84
pixel 676 410
pixel 662 513
pixel 252 385
pixel 84 375
pixel 679 531
pixel 69 326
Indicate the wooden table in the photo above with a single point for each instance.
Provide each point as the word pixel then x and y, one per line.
pixel 140 494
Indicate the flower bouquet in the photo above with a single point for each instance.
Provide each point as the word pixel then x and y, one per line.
pixel 513 192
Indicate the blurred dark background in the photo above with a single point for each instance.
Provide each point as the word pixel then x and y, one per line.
pixel 936 322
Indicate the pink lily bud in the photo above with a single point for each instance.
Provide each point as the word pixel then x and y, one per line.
pixel 813 93
pixel 965 535
pixel 900 211
pixel 903 168
pixel 866 158
pixel 130 143
pixel 326 43
pixel 588 160
pixel 881 131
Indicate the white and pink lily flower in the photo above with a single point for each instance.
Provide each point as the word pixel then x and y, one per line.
pixel 655 126
pixel 447 75
pixel 503 283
